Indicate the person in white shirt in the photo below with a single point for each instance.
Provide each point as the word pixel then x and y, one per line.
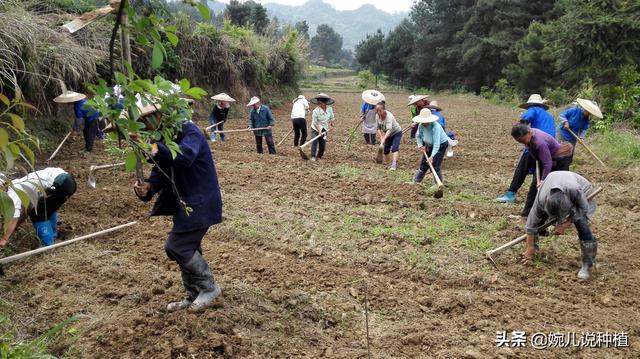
pixel 58 186
pixel 298 118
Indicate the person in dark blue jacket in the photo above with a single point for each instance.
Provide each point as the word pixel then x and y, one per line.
pixel 536 116
pixel 88 118
pixel 195 202
pixel 260 117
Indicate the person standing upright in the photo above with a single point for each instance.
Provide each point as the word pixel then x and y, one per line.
pixel 261 117
pixel 299 111
pixel 368 115
pixel 321 121
pixel 220 113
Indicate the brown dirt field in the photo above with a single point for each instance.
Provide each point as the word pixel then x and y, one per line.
pixel 300 239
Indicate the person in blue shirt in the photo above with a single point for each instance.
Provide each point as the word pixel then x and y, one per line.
pixel 437 110
pixel 194 201
pixel 577 119
pixel 259 117
pixel 536 116
pixel 88 118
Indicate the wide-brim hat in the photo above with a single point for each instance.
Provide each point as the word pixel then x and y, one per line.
pixel 69 96
pixel 417 98
pixel 425 116
pixel 223 97
pixel 254 100
pixel 535 100
pixel 301 97
pixel 433 105
pixel 372 97
pixel 590 106
pixel 324 98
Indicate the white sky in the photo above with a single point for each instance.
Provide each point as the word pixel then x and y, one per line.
pixel 390 6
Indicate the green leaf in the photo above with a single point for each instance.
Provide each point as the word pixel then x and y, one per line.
pixel 196 92
pixel 4 139
pixel 17 121
pixel 9 158
pixel 170 28
pixel 23 197
pixel 130 162
pixel 15 150
pixel 157 57
pixel 29 153
pixel 204 11
pixel 184 85
pixel 6 208
pixel 173 39
pixel 4 99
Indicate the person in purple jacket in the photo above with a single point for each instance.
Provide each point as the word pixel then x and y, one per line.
pixel 536 116
pixel 546 151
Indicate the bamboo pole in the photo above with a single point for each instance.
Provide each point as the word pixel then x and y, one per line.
pixel 60 146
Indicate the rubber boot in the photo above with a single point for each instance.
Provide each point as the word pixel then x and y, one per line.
pixel 589 250
pixel 419 176
pixel 54 224
pixel 44 232
pixel 508 197
pixel 208 289
pixel 192 292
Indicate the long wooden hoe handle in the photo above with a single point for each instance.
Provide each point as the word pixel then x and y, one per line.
pixel 285 137
pixel 243 130
pixel 433 171
pixel 60 146
pixel 212 126
pixel 587 147
pixel 313 139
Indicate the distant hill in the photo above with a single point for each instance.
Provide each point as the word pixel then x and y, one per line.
pixel 352 25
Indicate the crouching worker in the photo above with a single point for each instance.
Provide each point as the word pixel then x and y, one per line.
pixel 563 198
pixel 195 203
pixel 58 186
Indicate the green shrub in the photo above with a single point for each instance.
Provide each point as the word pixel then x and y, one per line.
pixel 366 79
pixel 620 148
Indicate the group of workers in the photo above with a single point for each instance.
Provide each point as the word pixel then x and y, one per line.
pixel 187 186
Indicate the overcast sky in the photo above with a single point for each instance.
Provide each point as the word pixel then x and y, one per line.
pixel 386 5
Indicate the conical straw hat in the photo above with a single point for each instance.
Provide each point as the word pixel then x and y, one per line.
pixel 372 97
pixel 69 96
pixel 590 106
pixel 534 100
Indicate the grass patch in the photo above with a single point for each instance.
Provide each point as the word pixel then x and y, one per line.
pixel 347 172
pixel 620 148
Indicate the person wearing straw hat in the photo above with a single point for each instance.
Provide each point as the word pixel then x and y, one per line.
pixel 299 109
pixel 368 114
pixel 417 103
pixel 187 188
pixel 437 110
pixel 86 117
pixel 536 116
pixel 261 116
pixel 390 134
pixel 47 190
pixel 321 120
pixel 219 113
pixel 430 138
pixel 563 197
pixel 577 119
pixel 544 149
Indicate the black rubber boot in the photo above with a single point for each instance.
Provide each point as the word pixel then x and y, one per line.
pixel 208 289
pixel 589 250
pixel 191 289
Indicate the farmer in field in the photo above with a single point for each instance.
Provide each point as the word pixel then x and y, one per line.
pixel 219 113
pixel 563 197
pixel 260 117
pixel 437 110
pixel 86 117
pixel 299 110
pixel 577 120
pixel 321 121
pixel 544 149
pixel 193 200
pixel 536 116
pixel 57 184
pixel 390 134
pixel 430 138
pixel 416 104
pixel 368 115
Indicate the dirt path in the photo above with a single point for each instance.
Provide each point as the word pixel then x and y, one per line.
pixel 300 238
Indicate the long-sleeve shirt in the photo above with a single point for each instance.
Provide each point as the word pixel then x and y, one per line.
pixel 369 124
pixel 539 118
pixel 543 148
pixel 32 185
pixel 320 118
pixel 218 114
pixel 432 136
pixel 389 124
pixel 299 108
pixel 578 123
pixel 83 110
pixel 576 187
pixel 441 119
pixel 261 118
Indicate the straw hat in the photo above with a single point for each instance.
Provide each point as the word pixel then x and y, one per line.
pixel 254 100
pixel 322 96
pixel 433 105
pixel 69 96
pixel 425 116
pixel 590 106
pixel 372 97
pixel 417 98
pixel 534 100
pixel 223 97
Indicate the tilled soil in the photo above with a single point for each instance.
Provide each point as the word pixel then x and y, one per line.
pixel 303 243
